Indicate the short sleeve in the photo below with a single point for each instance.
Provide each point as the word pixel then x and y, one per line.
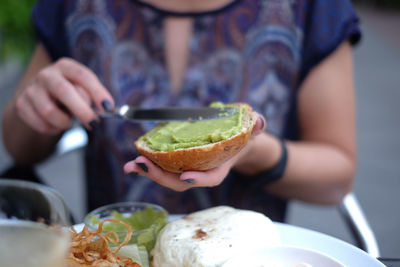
pixel 49 23
pixel 327 25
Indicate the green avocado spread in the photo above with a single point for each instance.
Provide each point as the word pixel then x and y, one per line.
pixel 174 135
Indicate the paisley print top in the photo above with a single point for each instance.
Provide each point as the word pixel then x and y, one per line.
pixel 254 51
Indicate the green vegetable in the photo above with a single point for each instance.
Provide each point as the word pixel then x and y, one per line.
pixel 145 225
pixel 136 253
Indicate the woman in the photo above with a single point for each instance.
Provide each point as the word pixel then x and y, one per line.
pixel 290 60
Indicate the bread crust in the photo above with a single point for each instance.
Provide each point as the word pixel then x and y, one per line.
pixel 201 158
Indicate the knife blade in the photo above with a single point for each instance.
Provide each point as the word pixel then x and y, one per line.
pixel 169 113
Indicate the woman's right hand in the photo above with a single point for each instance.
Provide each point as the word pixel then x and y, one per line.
pixel 59 92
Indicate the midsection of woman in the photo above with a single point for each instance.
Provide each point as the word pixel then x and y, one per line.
pixel 188 59
pixel 157 53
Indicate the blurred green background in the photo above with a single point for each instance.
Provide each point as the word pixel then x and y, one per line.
pixel 16 31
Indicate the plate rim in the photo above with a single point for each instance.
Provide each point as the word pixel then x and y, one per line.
pixel 291 247
pixel 349 254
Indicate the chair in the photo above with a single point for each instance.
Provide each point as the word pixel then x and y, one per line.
pixel 349 208
pixel 357 222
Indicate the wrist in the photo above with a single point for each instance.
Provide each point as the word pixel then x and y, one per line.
pixel 274 152
pixel 262 153
pixel 277 171
pixel 272 174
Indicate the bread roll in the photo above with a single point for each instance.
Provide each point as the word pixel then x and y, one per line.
pixel 205 157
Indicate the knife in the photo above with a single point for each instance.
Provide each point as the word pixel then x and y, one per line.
pixel 169 113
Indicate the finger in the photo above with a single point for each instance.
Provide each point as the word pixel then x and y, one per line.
pixel 81 75
pixel 66 93
pixel 82 92
pixel 47 109
pixel 260 125
pixel 29 115
pixel 145 167
pixel 213 177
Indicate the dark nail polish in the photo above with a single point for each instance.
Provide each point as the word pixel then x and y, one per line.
pixel 189 181
pixel 94 124
pixel 262 123
pixel 143 166
pixel 133 173
pixel 106 105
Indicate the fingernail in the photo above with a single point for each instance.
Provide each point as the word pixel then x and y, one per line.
pixel 107 105
pixel 94 124
pixel 262 123
pixel 142 166
pixel 189 181
pixel 133 173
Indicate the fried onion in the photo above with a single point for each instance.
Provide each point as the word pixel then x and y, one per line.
pixel 91 247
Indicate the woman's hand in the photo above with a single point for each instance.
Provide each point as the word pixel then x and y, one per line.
pixel 59 92
pixel 186 180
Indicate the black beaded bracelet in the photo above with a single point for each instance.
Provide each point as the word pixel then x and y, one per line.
pixel 273 174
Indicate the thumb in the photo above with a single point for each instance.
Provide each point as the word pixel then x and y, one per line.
pixel 260 125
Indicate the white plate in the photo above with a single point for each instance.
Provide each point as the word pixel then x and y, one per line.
pixel 283 256
pixel 345 253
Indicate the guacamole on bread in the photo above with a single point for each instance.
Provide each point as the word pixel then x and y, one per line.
pixel 198 145
pixel 176 135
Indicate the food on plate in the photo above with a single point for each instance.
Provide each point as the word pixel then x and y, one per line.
pixel 145 220
pixel 117 234
pixel 198 145
pixel 210 237
pixel 92 248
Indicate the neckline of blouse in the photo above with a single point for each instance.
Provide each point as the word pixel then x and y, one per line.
pixel 172 13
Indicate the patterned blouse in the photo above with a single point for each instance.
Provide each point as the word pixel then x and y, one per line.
pixel 254 51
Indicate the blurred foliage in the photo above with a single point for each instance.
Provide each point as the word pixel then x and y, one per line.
pixel 16 29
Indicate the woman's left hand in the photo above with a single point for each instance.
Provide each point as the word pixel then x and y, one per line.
pixel 186 180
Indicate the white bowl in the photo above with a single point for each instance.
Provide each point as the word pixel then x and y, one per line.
pixel 283 256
